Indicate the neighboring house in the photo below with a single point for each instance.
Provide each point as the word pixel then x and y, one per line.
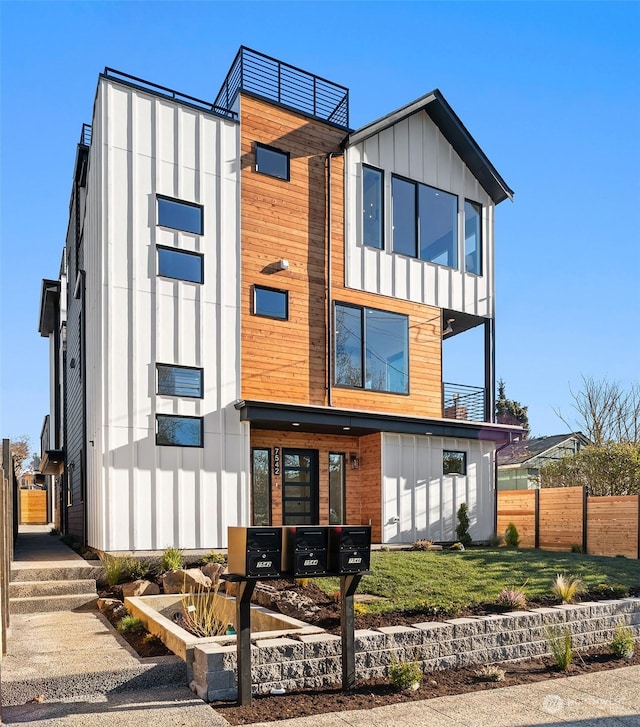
pixel 519 463
pixel 248 324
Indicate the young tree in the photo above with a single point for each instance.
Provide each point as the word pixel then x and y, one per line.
pixel 20 449
pixel 509 411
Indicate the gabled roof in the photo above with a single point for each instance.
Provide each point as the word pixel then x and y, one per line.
pixel 527 449
pixel 454 131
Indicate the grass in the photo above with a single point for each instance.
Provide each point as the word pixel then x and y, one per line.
pixel 449 580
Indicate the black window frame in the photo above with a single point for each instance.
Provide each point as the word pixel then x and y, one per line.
pixel 184 203
pixel 179 252
pixel 382 214
pixel 254 308
pixel 446 452
pixel 416 230
pixel 275 150
pixel 480 272
pixel 183 368
pixel 175 444
pixel 363 349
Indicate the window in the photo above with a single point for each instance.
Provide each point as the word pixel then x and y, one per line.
pixel 372 207
pixel 180 265
pixel 371 349
pixel 179 380
pixel 272 161
pixel 438 223
pixel 260 486
pixel 454 463
pixel 270 302
pixel 472 237
pixel 404 216
pixel 336 488
pixel 425 222
pixel 178 215
pixel 178 431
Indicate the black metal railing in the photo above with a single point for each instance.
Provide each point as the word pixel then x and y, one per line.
pixel 170 93
pixel 85 135
pixel 287 85
pixel 463 402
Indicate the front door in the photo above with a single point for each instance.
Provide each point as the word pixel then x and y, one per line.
pixel 300 487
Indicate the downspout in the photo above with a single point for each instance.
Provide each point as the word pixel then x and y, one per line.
pixel 330 156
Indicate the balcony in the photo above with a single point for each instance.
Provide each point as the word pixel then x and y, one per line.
pixel 463 402
pixel 288 86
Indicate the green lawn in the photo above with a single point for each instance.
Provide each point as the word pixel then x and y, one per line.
pixel 450 580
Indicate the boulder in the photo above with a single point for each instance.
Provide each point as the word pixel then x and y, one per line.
pixel 184 580
pixel 290 603
pixel 111 607
pixel 140 588
pixel 214 571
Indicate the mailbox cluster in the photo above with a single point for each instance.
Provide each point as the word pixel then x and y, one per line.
pixel 299 550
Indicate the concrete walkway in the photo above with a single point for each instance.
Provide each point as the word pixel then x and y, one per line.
pixel 52 656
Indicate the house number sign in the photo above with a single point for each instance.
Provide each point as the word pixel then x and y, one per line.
pixel 276 461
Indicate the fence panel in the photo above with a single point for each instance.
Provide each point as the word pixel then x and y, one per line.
pixel 518 507
pixel 33 507
pixel 561 516
pixel 612 526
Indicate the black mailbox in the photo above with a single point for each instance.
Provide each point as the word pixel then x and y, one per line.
pixel 255 552
pixel 349 548
pixel 305 550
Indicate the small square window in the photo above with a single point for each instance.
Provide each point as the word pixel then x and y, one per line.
pixel 272 161
pixel 271 303
pixel 179 380
pixel 178 431
pixel 454 463
pixel 180 265
pixel 179 215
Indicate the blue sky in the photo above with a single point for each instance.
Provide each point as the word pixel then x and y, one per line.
pixel 550 90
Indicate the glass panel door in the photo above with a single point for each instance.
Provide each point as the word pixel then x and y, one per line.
pixel 300 487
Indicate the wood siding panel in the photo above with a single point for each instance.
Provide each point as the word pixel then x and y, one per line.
pixel 612 526
pixel 560 518
pixel 33 507
pixel 519 508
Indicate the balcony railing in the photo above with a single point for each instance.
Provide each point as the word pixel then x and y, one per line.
pixel 292 87
pixel 463 402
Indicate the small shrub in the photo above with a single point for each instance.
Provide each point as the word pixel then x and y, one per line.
pixel 575 548
pixel 561 647
pixel 152 640
pixel 462 529
pixel 513 598
pixel 456 546
pixel 302 582
pixel 405 674
pixel 214 557
pixel 421 545
pixel 604 590
pixel 115 568
pixel 567 588
pixel 497 541
pixel 491 673
pixel 205 613
pixel 511 537
pixel 136 569
pixel 172 559
pixel 130 625
pixel 623 643
pixel 359 609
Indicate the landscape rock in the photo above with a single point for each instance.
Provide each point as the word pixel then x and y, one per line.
pixel 184 580
pixel 214 571
pixel 140 588
pixel 290 603
pixel 112 607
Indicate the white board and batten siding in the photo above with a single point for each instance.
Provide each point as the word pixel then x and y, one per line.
pixel 143 496
pixel 419 502
pixel 415 148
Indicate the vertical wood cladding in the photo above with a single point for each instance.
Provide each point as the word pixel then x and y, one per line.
pixel 287 360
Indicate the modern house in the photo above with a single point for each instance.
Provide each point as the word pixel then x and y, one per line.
pixel 249 319
pixel 519 463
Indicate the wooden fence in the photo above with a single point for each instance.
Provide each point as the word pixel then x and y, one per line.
pixel 563 517
pixel 8 534
pixel 33 507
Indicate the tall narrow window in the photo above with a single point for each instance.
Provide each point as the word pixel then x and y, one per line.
pixel 438 224
pixel 179 215
pixel 372 206
pixel 336 489
pixel 260 486
pixel 472 237
pixel 348 353
pixel 403 195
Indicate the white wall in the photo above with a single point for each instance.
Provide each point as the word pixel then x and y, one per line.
pixel 142 496
pixel 415 148
pixel 424 501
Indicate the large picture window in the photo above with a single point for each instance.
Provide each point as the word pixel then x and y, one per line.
pixel 472 237
pixel 371 349
pixel 372 207
pixel 179 380
pixel 179 215
pixel 178 431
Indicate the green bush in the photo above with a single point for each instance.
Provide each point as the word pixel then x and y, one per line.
pixel 214 557
pixel 115 568
pixel 130 624
pixel 462 529
pixel 604 590
pixel 567 588
pixel 405 674
pixel 623 643
pixel 575 548
pixel 561 646
pixel 137 569
pixel 172 559
pixel 511 537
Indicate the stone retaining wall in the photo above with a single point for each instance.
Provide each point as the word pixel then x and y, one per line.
pixel 314 660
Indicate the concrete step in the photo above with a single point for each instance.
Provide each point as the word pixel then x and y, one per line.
pixel 46 604
pixel 27 589
pixel 82 571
